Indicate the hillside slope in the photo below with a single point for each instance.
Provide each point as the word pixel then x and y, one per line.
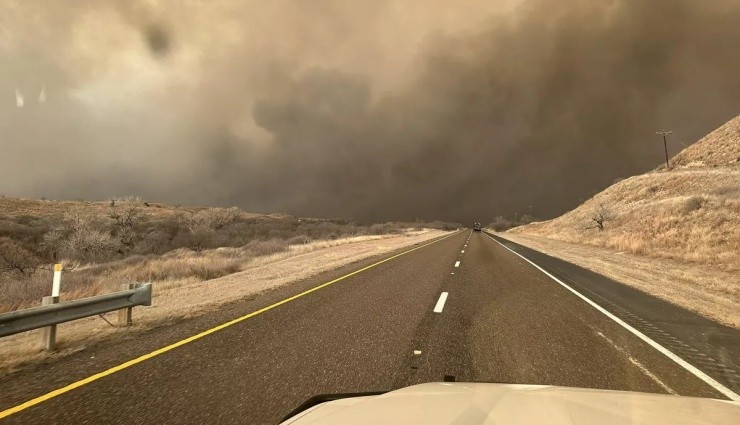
pixel 719 148
pixel 54 209
pixel 689 215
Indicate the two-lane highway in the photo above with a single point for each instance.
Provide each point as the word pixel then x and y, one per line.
pixel 463 306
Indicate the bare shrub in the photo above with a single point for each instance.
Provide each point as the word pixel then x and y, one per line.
pixel 233 235
pixel 15 259
pixel 217 218
pixel 692 203
pixel 727 192
pixel 27 230
pixel 158 241
pixel 88 244
pixel 500 224
pixel 381 229
pixel 299 240
pixel 260 248
pixel 600 216
pixel 203 227
pixel 52 243
pixel 128 218
pixel 82 239
pixel 159 236
pixel 525 219
pixel 201 238
pixel 442 225
pixel 210 218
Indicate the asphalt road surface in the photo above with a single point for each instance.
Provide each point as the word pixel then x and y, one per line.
pixel 464 306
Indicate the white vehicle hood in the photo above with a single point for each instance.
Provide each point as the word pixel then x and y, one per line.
pixel 466 403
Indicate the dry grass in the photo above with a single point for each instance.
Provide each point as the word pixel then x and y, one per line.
pixel 694 286
pixel 176 296
pixel 689 216
pixel 717 149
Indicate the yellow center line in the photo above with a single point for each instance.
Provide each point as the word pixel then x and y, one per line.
pixel 114 369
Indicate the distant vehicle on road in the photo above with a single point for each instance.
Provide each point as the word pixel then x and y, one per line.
pixel 482 404
pixel 477 227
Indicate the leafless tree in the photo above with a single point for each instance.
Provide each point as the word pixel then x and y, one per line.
pixel 601 216
pixel 127 221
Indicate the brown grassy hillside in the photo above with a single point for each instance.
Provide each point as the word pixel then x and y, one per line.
pixel 674 233
pixel 719 148
pixel 690 213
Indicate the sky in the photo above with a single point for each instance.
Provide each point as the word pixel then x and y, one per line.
pixel 371 110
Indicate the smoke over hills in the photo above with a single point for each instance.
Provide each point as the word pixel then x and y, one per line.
pixel 370 110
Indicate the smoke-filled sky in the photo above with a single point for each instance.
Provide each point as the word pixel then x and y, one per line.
pixel 372 110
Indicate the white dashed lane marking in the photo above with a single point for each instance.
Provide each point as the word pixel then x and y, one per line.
pixel 441 302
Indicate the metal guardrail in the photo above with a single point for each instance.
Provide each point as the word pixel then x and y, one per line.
pixel 54 314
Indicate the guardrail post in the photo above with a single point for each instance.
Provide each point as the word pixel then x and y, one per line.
pixel 125 315
pixel 49 333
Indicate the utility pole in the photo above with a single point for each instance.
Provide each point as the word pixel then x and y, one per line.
pixel 530 209
pixel 665 146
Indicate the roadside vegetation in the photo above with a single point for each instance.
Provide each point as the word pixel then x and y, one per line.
pixel 125 240
pixel 502 223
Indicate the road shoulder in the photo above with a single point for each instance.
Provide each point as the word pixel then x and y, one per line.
pixel 693 286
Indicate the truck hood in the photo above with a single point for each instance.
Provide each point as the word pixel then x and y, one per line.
pixel 468 403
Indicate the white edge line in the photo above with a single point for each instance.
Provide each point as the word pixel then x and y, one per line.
pixel 441 302
pixel 681 362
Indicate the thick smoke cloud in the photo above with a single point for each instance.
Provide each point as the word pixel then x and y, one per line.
pixel 370 110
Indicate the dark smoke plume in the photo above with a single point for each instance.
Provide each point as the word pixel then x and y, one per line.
pixel 157 39
pixel 370 110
